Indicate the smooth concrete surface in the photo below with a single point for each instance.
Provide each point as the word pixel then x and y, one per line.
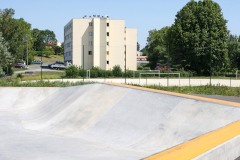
pixel 100 121
pixel 227 151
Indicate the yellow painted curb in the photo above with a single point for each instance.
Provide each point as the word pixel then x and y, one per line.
pixel 200 145
pixel 179 94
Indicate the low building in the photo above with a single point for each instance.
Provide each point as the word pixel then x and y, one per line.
pixel 100 42
pixel 142 60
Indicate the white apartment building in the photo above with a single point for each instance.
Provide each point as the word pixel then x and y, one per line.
pixel 100 42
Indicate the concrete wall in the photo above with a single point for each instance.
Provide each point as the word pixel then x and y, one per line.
pixel 131 48
pixel 116 43
pixel 229 150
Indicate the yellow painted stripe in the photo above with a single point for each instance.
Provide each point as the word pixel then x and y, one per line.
pixel 179 95
pixel 200 145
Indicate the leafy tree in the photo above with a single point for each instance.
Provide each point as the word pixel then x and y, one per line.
pixel 42 38
pixel 48 36
pixel 138 46
pixel 48 52
pixel 117 71
pixel 234 51
pixel 198 37
pixel 157 47
pixel 58 49
pixel 5 56
pixel 38 44
pixel 16 32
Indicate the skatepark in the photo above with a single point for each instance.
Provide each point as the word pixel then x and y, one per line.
pixel 116 122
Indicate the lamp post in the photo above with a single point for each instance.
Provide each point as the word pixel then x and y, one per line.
pixel 83 63
pixel 125 64
pixel 41 66
pixel 27 51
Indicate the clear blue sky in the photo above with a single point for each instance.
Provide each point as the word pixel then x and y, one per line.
pixel 144 15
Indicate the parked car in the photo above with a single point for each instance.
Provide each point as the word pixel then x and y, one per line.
pixel 57 62
pixel 58 66
pixel 37 62
pixel 19 65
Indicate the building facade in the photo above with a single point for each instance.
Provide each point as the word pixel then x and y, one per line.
pixel 100 42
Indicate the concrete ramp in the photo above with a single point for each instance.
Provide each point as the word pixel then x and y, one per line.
pixel 101 121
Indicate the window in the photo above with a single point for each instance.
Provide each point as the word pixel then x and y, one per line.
pixel 107 33
pixel 107 24
pixel 107 62
pixel 90 33
pixel 89 52
pixel 107 52
pixel 90 24
pixel 108 43
pixel 90 43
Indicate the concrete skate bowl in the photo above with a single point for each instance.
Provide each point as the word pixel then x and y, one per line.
pixel 110 122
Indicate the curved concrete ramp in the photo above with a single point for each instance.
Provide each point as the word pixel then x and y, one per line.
pixel 100 121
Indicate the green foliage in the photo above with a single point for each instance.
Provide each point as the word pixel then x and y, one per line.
pixel 48 52
pixel 72 71
pixel 42 38
pixel 234 51
pixel 16 32
pixel 139 67
pixel 8 70
pixel 9 82
pixel 138 46
pixel 5 56
pixel 20 76
pixel 117 71
pixel 198 37
pixel 209 90
pixel 157 47
pixel 58 50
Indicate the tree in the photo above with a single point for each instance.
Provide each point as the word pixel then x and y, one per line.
pixel 138 46
pixel 41 38
pixel 157 47
pixel 16 32
pixel 234 51
pixel 48 36
pixel 5 56
pixel 198 37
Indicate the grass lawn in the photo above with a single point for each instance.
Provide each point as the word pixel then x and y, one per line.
pixel 45 75
pixel 208 90
pixel 51 59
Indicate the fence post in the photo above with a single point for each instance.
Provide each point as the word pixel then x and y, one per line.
pixel 230 81
pixel 167 80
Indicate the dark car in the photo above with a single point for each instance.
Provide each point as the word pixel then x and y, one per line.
pixel 37 62
pixel 19 65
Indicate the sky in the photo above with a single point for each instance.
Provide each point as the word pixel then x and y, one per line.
pixel 144 15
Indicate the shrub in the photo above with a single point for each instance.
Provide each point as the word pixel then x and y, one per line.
pixel 117 71
pixel 72 71
pixel 19 76
pixel 8 70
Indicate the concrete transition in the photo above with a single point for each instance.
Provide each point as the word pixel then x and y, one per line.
pixel 102 121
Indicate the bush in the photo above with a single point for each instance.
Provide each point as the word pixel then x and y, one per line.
pixel 19 76
pixel 117 71
pixel 82 73
pixel 8 70
pixel 139 67
pixel 72 71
